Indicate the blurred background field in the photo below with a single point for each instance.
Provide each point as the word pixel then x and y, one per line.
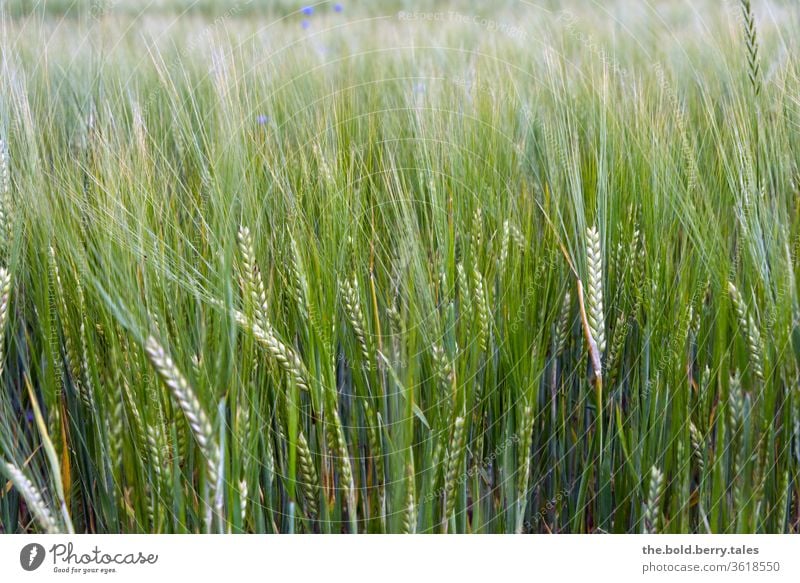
pixel 400 266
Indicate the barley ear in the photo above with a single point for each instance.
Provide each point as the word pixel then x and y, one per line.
pixel 355 315
pixel 652 508
pixel 698 447
pixel 338 445
pixel 464 296
pixel 5 294
pixel 564 323
pixel 309 483
pixel 482 309
pixel 286 357
pixel 409 523
pixel 252 282
pixel 525 440
pixel 748 326
pixel 454 462
pixel 6 227
pixel 594 291
pixel 33 498
pixel 187 400
pixel 751 43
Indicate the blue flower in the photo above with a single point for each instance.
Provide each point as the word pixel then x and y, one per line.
pixel 338 7
pixel 305 24
pixel 307 10
pixel 262 120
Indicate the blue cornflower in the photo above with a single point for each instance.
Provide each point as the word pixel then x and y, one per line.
pixel 338 7
pixel 307 10
pixel 262 120
pixel 305 24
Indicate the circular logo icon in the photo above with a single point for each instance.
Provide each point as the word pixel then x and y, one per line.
pixel 31 556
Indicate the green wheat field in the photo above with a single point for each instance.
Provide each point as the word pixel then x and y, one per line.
pixel 399 267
